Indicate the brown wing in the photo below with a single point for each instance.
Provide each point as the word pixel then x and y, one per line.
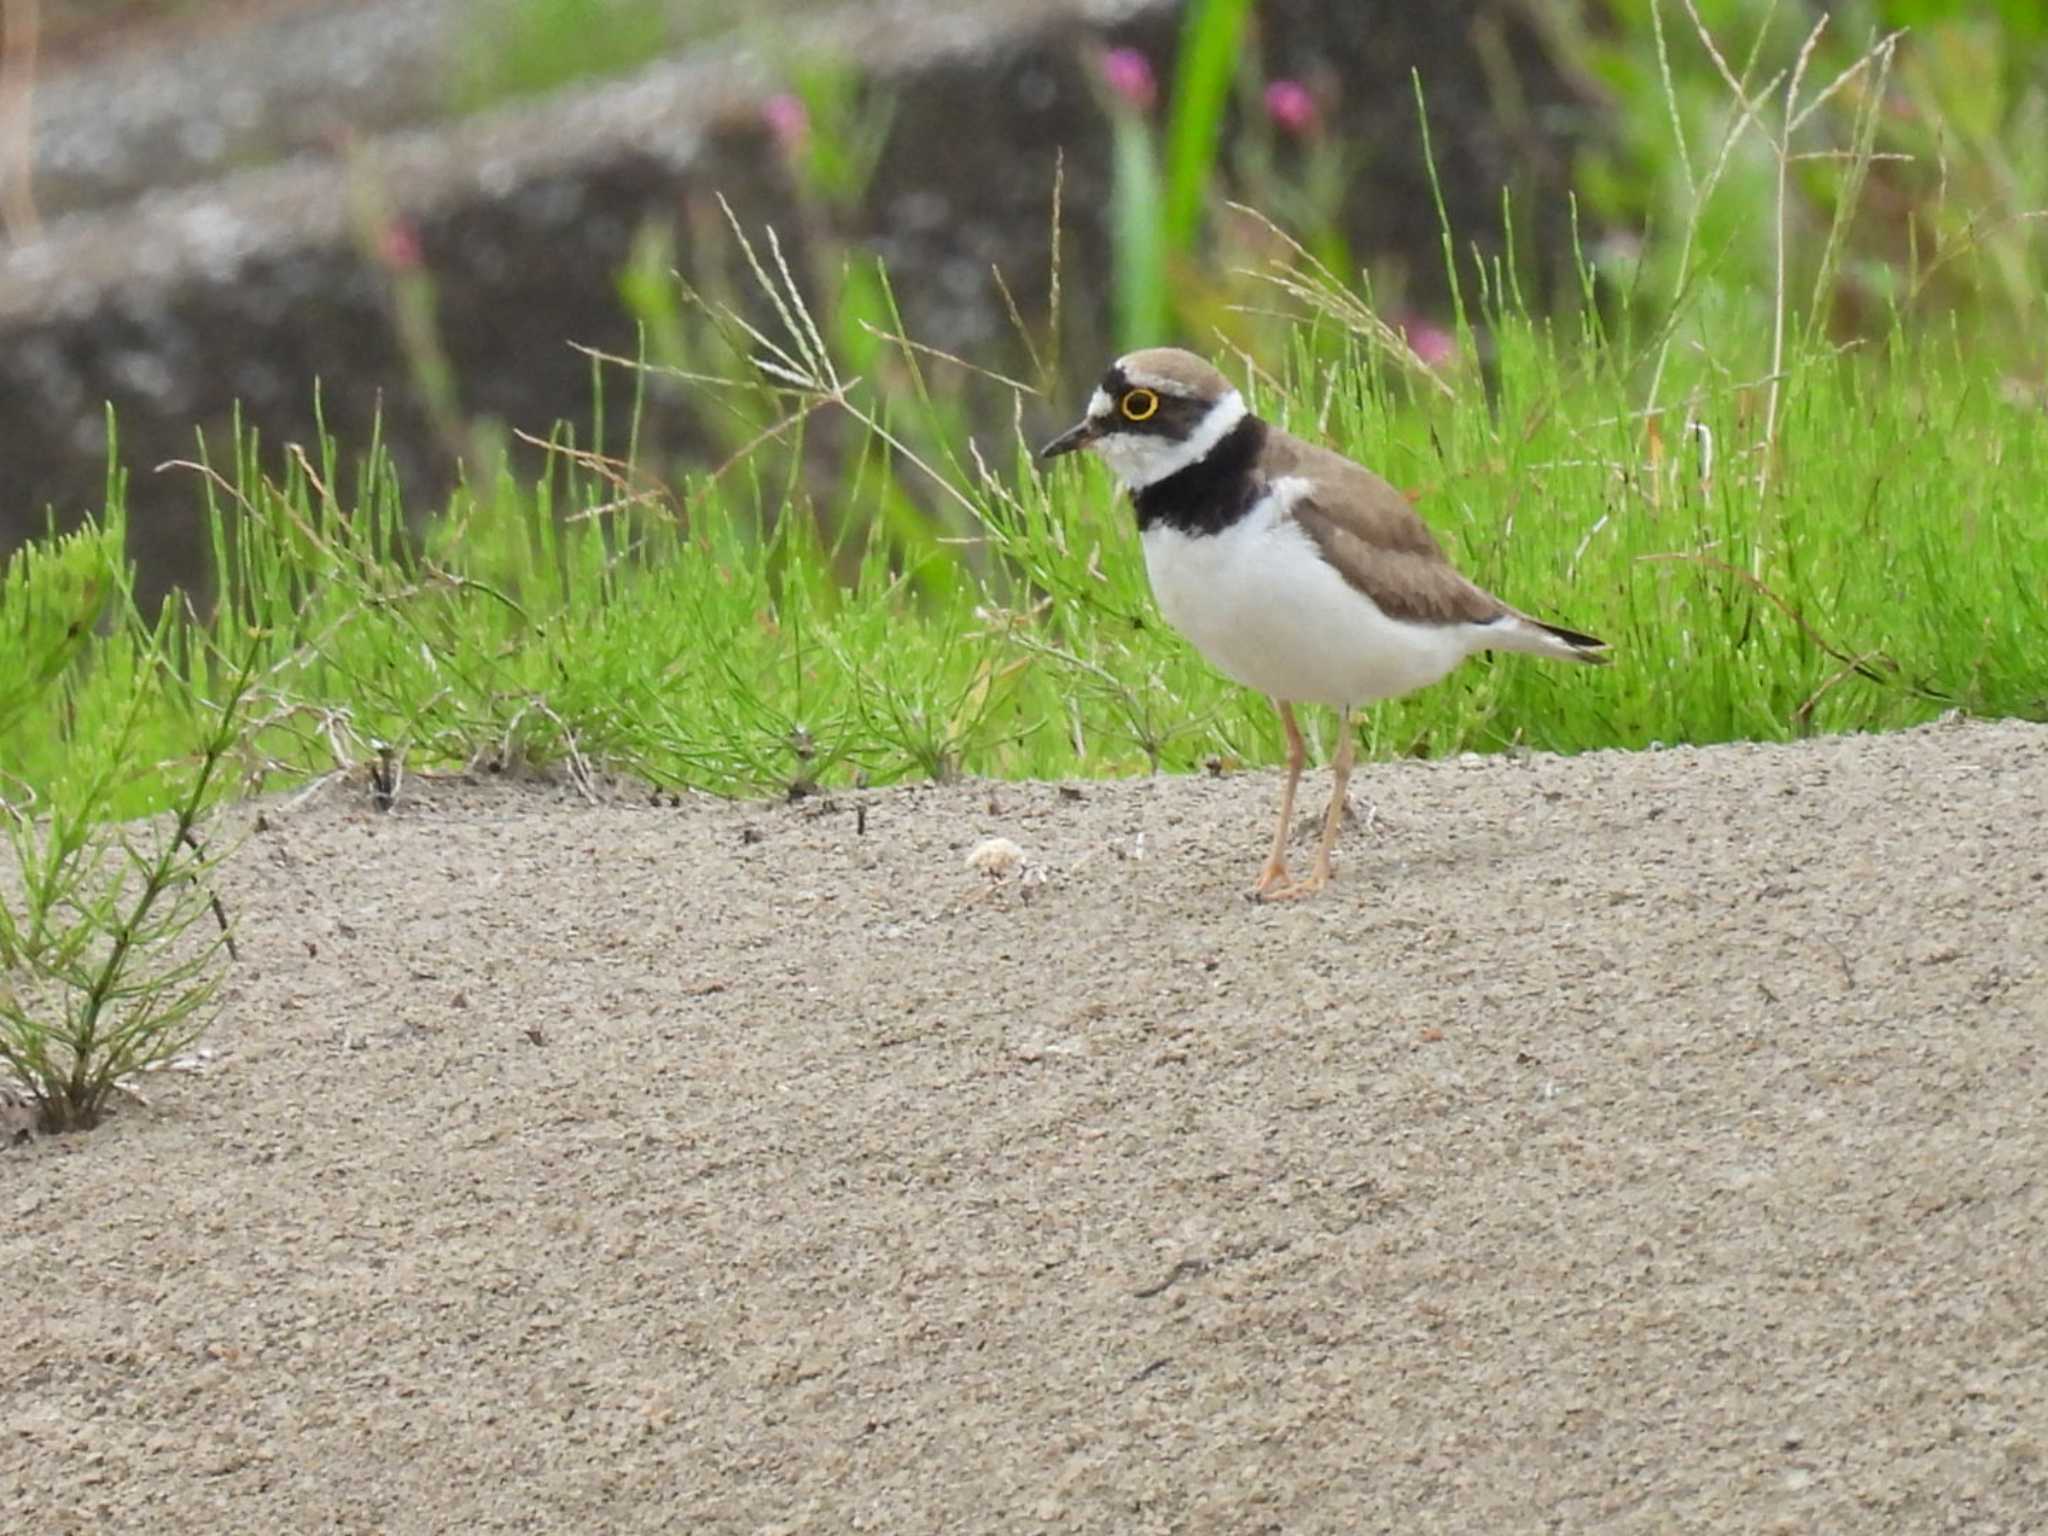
pixel 1368 532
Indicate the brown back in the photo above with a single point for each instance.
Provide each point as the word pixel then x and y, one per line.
pixel 1367 530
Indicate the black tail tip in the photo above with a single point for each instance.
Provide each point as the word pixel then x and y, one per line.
pixel 1590 648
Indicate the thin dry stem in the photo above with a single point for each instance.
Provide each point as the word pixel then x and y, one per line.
pixel 817 342
pixel 1714 50
pixel 1860 154
pixel 1748 109
pixel 20 36
pixel 790 367
pixel 948 357
pixel 1855 664
pixel 614 472
pixel 1059 187
pixel 1970 238
pixel 1671 98
pixel 683 375
pixel 1883 48
pixel 1310 282
pixel 1017 324
pixel 1778 295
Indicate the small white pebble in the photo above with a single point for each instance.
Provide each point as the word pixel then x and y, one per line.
pixel 995 857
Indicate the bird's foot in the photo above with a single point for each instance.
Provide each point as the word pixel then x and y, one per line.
pixel 1275 884
pixel 1297 890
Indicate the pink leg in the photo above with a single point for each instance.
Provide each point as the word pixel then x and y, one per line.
pixel 1273 879
pixel 1333 818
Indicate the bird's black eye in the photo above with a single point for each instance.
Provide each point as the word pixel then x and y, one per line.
pixel 1139 405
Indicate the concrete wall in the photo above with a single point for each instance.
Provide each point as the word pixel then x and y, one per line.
pixel 211 293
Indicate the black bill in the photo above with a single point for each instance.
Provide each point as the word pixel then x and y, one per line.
pixel 1080 435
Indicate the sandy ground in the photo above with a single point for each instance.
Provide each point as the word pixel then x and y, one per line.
pixel 1628 1143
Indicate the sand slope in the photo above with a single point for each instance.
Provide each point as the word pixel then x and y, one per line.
pixel 1628 1143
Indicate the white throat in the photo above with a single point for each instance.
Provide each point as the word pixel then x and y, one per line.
pixel 1139 459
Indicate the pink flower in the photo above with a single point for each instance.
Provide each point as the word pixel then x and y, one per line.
pixel 1129 75
pixel 1291 107
pixel 398 247
pixel 1427 340
pixel 788 120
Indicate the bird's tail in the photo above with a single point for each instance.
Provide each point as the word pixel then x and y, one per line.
pixel 1519 632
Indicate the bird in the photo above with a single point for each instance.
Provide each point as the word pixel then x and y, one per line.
pixel 1292 569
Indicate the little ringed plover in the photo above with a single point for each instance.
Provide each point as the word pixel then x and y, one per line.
pixel 1292 569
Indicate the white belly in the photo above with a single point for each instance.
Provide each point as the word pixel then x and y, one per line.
pixel 1264 607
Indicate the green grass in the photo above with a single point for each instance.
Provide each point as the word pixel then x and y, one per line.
pixel 751 635
pixel 1779 536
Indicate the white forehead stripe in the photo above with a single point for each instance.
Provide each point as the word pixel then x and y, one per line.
pixel 1098 403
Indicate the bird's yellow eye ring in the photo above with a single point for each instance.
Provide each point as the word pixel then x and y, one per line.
pixel 1140 405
